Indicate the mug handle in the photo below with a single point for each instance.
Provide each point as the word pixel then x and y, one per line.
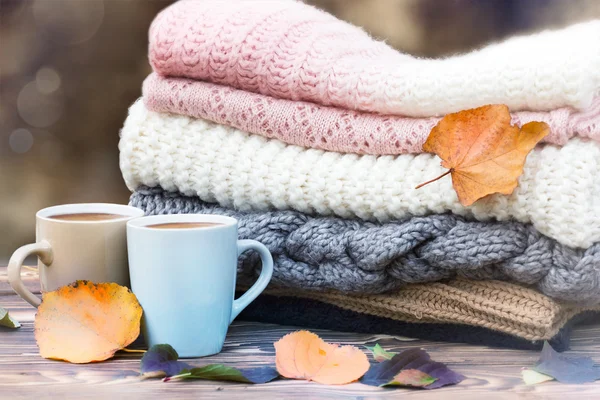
pixel 44 251
pixel 263 280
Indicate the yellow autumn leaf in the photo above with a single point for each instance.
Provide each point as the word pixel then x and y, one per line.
pixel 86 322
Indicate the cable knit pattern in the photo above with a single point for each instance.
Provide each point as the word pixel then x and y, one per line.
pixel 363 257
pixel 559 191
pixel 330 128
pixel 290 50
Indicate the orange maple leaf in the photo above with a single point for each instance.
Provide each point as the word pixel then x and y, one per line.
pixel 484 153
pixel 85 322
pixel 304 355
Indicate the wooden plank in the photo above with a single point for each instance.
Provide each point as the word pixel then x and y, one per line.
pixel 492 373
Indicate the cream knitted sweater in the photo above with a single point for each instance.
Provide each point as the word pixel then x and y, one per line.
pixel 559 191
pixel 290 50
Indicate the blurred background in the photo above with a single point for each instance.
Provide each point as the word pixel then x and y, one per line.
pixel 69 69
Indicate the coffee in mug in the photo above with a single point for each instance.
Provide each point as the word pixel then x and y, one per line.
pixel 76 242
pixel 86 216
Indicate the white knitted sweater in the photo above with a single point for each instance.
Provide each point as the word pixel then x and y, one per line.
pixel 559 192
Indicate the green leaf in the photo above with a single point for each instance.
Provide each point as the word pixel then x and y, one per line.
pixel 379 353
pixel 161 360
pixel 220 372
pixel 411 377
pixel 531 377
pixel 7 321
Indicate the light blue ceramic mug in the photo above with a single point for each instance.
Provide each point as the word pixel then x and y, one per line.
pixel 183 272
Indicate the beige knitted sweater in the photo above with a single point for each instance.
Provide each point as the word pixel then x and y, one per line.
pixel 496 305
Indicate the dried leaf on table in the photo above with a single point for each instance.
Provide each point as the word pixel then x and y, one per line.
pixel 531 377
pixel 85 322
pixel 220 372
pixel 386 372
pixel 7 321
pixel 304 355
pixel 411 377
pixel 162 361
pixel 379 353
pixel 566 369
pixel 484 153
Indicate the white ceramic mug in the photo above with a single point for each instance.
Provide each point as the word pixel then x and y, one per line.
pixel 75 250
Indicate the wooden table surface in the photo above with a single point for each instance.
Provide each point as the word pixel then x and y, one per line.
pixel 492 373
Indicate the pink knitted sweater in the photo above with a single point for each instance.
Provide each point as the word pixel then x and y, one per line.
pixel 290 50
pixel 330 128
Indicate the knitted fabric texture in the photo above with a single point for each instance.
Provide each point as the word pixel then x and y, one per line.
pixel 290 50
pixel 321 253
pixel 330 128
pixel 559 191
pixel 311 314
pixel 496 305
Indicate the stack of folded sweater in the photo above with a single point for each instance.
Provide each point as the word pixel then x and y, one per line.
pixel 310 133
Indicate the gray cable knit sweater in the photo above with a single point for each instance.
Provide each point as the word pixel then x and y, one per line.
pixel 364 257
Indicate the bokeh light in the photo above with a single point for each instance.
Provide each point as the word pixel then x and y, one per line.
pixel 47 80
pixel 39 109
pixel 20 141
pixel 75 21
